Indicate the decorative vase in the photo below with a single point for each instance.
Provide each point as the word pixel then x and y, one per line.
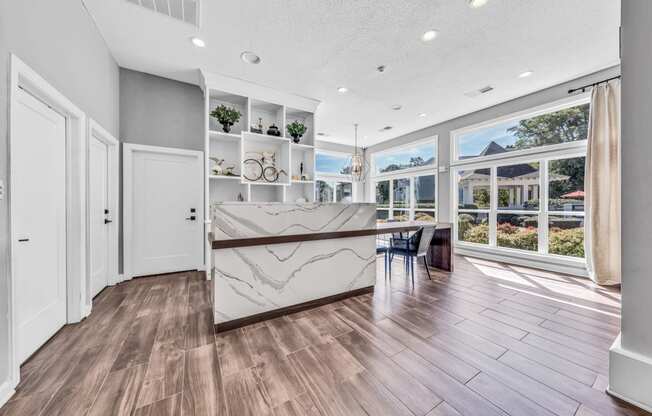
pixel 226 127
pixel 273 131
pixel 296 138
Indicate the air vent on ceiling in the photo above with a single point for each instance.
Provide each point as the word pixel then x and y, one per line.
pixel 481 91
pixel 184 10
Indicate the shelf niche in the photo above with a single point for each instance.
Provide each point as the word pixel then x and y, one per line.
pixel 253 146
pixel 308 119
pixel 266 113
pixel 238 102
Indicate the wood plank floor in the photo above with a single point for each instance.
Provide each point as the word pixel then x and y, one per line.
pixel 489 339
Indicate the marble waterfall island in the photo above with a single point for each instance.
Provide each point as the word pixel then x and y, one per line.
pixel 270 259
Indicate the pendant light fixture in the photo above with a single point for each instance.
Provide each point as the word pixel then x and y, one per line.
pixel 357 160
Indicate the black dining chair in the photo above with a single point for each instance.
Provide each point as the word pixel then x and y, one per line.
pixel 413 248
pixel 382 246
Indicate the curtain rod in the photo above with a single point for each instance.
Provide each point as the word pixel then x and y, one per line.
pixel 583 88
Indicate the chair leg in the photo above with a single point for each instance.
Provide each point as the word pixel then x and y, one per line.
pixel 411 269
pixel 425 263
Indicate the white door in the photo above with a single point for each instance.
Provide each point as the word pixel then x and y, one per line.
pixel 38 203
pixel 166 193
pixel 99 215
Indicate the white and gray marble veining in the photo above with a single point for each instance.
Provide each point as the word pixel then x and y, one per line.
pixel 246 220
pixel 252 280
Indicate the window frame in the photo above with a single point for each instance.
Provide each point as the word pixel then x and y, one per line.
pixel 409 173
pixel 331 175
pixel 332 181
pixel 558 105
pixel 543 155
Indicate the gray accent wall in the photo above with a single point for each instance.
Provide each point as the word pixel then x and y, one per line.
pixel 59 40
pixel 158 111
pixel 443 130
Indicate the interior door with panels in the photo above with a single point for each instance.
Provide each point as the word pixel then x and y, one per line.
pixel 38 206
pixel 163 210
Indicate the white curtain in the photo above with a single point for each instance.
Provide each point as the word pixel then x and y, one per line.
pixel 602 185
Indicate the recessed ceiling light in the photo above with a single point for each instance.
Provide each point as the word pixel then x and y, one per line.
pixel 477 3
pixel 422 114
pixel 198 42
pixel 250 57
pixel 525 74
pixel 429 35
pixel 397 107
pixel 386 128
pixel 342 90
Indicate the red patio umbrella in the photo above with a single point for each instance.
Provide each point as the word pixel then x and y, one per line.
pixel 574 195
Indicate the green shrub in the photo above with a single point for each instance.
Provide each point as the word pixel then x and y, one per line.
pixel 567 242
pixel 477 234
pixel 520 238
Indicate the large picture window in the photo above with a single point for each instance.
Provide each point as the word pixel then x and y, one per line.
pixel 405 182
pixel 333 180
pixel 524 200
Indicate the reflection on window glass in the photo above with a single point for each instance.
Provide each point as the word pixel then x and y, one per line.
pixel 382 215
pixel 324 192
pixel 382 194
pixel 401 193
pixel 474 189
pixel 562 126
pixel 334 164
pixel 566 235
pixel 401 215
pixel 344 192
pixel 473 227
pixel 424 192
pixel 517 231
pixel 518 186
pixel 422 155
pixel 424 216
pixel 566 184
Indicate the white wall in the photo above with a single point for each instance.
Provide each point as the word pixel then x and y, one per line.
pixel 442 130
pixel 59 40
pixel 630 375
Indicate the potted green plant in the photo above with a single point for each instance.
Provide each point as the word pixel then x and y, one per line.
pixel 226 116
pixel 296 129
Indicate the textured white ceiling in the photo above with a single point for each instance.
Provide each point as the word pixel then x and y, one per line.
pixel 311 47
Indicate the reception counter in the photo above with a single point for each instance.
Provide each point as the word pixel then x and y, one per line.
pixel 270 259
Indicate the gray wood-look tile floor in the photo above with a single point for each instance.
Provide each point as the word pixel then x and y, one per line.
pixel 488 339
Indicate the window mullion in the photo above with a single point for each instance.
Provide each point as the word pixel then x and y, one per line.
pixel 543 207
pixel 493 207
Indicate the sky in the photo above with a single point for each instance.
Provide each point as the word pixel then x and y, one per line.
pixel 331 164
pixel 402 157
pixel 471 144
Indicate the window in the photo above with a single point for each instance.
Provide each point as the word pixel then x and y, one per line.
pixel 332 163
pixel 418 156
pixel 405 181
pixel 333 181
pixel 564 125
pixel 331 191
pixel 519 198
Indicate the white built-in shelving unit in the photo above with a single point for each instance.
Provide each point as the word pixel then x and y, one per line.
pixel 256 104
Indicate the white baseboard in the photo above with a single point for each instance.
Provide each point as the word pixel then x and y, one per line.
pixel 6 391
pixel 630 376
pixel 86 310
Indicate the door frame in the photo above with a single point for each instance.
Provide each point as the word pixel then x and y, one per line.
pixel 128 150
pixel 23 77
pixel 95 130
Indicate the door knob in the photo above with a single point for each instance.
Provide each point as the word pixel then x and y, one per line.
pixel 191 218
pixel 107 221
